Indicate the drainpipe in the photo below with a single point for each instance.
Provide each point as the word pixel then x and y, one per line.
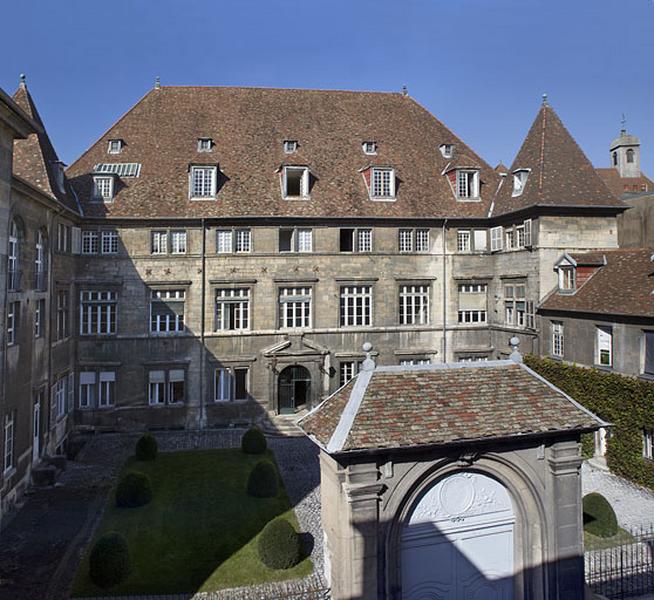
pixel 444 295
pixel 203 417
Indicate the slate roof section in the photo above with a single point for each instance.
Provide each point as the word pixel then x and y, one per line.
pixel 249 125
pixel 620 186
pixel 35 159
pixel 623 287
pixel 446 404
pixel 561 174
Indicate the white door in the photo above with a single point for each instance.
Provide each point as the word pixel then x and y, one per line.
pixel 36 429
pixel 458 542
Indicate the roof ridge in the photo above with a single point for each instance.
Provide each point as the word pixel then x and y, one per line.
pixel 281 89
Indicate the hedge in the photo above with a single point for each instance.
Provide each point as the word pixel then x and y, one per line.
pixel 109 562
pixel 625 402
pixel 134 489
pixel 253 441
pixel 146 448
pixel 279 545
pixel 263 481
pixel 599 516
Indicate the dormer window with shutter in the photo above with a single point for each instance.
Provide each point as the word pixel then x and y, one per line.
pixel 520 177
pixel 115 146
pixel 467 184
pixel 295 183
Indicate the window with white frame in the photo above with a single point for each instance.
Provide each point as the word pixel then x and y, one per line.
pixel 63 330
pixel 97 312
pixel 224 239
pixel 13 318
pixel 290 146
pixel 496 238
pixel 509 239
pixel 467 184
pixel 567 279
pixel 63 238
pixel 203 181
pixel 13 256
pixel 520 236
pixel 90 242
pixel 413 240
pixel 519 181
pixel 109 242
pixel 167 311
pixel 294 239
pixel 347 370
pixel 233 240
pixel 159 242
pixel 178 242
pixel 242 240
pixel 356 305
pixel 369 147
pixel 103 188
pixel 156 388
pixel 355 240
pixel 205 144
pixel 604 344
pixel 410 362
pixel 557 339
pixel 463 237
pixel 106 390
pixel 382 183
pixel 515 305
pixel 446 150
pixel 39 318
pixel 232 309
pixel 464 358
pixel 295 307
pixel 70 389
pixel 231 383
pixel 472 303
pixel 59 396
pixel 296 182
pixel 648 352
pixel 414 304
pixel 648 444
pixel 39 261
pixel 10 434
pixel 115 146
pixel 87 389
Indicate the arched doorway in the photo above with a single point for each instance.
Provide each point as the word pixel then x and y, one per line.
pixel 458 542
pixel 294 389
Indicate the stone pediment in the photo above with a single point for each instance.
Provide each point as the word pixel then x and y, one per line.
pixel 294 345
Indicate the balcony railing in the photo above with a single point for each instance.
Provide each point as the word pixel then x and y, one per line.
pixel 13 280
pixel 40 281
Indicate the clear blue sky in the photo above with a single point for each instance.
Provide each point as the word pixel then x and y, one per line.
pixel 479 65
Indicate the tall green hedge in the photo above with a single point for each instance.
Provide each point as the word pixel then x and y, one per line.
pixel 626 402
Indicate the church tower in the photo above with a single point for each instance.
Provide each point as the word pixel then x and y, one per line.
pixel 625 153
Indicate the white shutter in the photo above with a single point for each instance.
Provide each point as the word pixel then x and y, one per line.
pixel 527 225
pixel 481 241
pixel 157 376
pixel 496 238
pixel 71 391
pixel 76 240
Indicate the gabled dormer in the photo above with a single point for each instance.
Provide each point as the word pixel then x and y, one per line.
pixel 464 177
pixel 295 182
pixel 380 182
pixel 520 177
pixel 574 270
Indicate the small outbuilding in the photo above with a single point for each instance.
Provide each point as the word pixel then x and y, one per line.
pixel 451 481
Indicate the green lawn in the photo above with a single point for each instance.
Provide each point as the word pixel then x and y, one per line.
pixel 199 532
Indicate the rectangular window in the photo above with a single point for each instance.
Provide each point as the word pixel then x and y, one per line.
pixel 175 389
pixel 422 240
pixel 509 239
pixel 383 183
pixel 520 236
pixel 472 358
pixel 296 182
pixel 90 242
pixel 295 240
pixel 167 311
pixel 205 144
pixel 178 242
pixel 237 240
pixel 648 444
pixel 467 184
pixel 410 362
pixel 355 240
pixel 62 315
pixel 414 304
pixel 567 282
pixel 13 316
pixel 232 309
pixel 109 242
pixel 463 240
pixel 496 238
pixel 224 241
pixel 348 369
pixel 356 305
pixel 515 305
pixel 410 239
pixel 9 441
pixel 203 182
pixel 295 307
pixel 115 146
pixel 87 389
pixel 159 242
pixel 604 346
pixel 106 391
pixel 243 240
pixel 472 303
pixel 97 312
pixel 557 339
pixel 231 384
pixel 157 388
pixel 648 351
pixel 60 396
pixel 103 188
pixel 39 318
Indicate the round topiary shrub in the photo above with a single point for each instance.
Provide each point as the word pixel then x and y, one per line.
pixel 109 563
pixel 134 489
pixel 263 481
pixel 599 516
pixel 253 441
pixel 146 447
pixel 279 545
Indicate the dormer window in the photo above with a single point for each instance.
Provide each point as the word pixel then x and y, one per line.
pixel 115 146
pixel 59 175
pixel 467 184
pixel 447 150
pixel 296 182
pixel 205 144
pixel 519 181
pixel 203 182
pixel 567 279
pixel 382 183
pixel 103 188
pixel 290 146
pixel 369 147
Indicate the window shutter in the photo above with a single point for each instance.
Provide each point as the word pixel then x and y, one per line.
pixel 71 391
pixel 77 240
pixel 496 238
pixel 649 352
pixel 53 405
pixel 528 242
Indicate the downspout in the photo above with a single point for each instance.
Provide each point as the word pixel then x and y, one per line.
pixel 203 418
pixel 444 294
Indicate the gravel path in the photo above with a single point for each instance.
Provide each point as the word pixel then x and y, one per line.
pixel 633 505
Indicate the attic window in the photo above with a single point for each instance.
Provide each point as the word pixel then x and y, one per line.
pixel 369 147
pixel 103 188
pixel 115 146
pixel 59 175
pixel 120 169
pixel 467 184
pixel 290 146
pixel 296 182
pixel 205 144
pixel 567 279
pixel 519 181
pixel 446 150
pixel 382 183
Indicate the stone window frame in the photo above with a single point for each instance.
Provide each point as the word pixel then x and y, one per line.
pixel 601 349
pixel 231 379
pixel 349 293
pixel 557 339
pixel 305 313
pixel 362 240
pixel 470 316
pixel 104 388
pixel 244 300
pixel 414 303
pixel 103 301
pixel 296 244
pixel 234 233
pixel 170 376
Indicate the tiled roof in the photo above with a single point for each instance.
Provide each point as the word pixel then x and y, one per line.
pixel 624 185
pixel 561 174
pixel 249 125
pixel 591 259
pixel 442 404
pixel 625 286
pixel 35 159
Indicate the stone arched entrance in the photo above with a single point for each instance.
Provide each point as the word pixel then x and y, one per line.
pixel 458 541
pixel 294 389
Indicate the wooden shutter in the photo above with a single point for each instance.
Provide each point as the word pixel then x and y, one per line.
pixel 528 238
pixel 496 238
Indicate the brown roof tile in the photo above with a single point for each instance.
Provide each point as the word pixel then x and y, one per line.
pixel 624 185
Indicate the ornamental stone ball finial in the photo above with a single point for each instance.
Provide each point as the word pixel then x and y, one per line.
pixel 545 100
pixel 157 82
pixel 368 364
pixel 23 80
pixel 514 342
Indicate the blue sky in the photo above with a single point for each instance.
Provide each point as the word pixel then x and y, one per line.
pixel 480 66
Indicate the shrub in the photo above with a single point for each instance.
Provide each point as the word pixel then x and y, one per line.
pixel 253 441
pixel 599 516
pixel 146 447
pixel 279 545
pixel 134 489
pixel 109 563
pixel 263 481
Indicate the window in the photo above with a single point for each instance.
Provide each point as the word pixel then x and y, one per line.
pixel 167 311
pixel 414 304
pixel 295 307
pixel 383 183
pixel 496 238
pixel 557 339
pixel 106 391
pixel 87 389
pixel 295 240
pixel 13 256
pixel 480 238
pixel 356 305
pixel 62 315
pixel 178 242
pixel 224 241
pixel 467 184
pixel 115 146
pixel 515 305
pixel 615 159
pixel 290 146
pixel 410 362
pixel 13 316
pixel 90 242
pixel 59 396
pixel 39 318
pixel 509 239
pixel 355 240
pixel 232 309
pixel 63 238
pixel 520 236
pixel 369 147
pixel 205 144
pixel 97 313
pixel 410 239
pixel 237 240
pixel 630 155
pixel 296 182
pixel 463 240
pixel 109 242
pixel 519 181
pixel 39 262
pixel 157 387
pixel 648 444
pixel 472 303
pixel 103 188
pixel 347 370
pixel 9 441
pixel 159 242
pixel 604 355
pixel 231 384
pixel 464 358
pixel 120 169
pixel 567 281
pixel 446 150
pixel 242 240
pixel 203 182
pixel 648 351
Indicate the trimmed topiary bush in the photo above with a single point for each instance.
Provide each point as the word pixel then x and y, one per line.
pixel 146 447
pixel 134 489
pixel 253 441
pixel 279 545
pixel 109 563
pixel 599 516
pixel 263 481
